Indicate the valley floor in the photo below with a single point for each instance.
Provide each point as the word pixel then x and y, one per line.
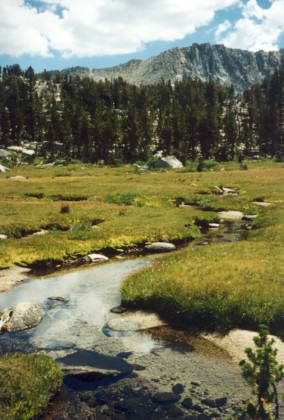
pixel 52 215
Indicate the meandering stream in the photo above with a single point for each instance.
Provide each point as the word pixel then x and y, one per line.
pixel 160 360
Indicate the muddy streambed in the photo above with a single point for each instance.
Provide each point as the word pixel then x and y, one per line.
pixel 160 373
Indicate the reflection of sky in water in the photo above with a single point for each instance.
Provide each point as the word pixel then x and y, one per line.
pixel 91 294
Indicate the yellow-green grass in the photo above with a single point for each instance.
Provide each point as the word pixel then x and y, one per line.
pixel 153 216
pixel 225 285
pixel 27 382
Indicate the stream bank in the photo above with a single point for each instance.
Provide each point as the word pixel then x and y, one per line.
pixel 170 374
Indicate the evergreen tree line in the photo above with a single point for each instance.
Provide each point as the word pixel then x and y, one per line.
pixel 73 118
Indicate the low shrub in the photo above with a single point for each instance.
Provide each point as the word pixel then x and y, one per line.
pixel 27 382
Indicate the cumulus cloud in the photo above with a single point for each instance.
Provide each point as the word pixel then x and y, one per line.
pixel 88 28
pixel 258 29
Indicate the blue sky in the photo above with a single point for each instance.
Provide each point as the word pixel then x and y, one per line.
pixel 54 34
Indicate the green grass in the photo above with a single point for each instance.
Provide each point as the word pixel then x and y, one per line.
pixel 238 284
pixel 27 382
pixel 224 285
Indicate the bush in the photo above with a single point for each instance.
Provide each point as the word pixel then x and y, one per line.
pixel 27 382
pixel 262 372
pixel 207 165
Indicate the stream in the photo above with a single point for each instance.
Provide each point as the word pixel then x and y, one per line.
pixel 159 374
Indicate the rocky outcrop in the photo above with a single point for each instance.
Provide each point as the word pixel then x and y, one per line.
pixel 205 62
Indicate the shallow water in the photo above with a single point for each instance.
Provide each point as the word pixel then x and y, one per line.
pixel 89 294
pixel 78 322
pixel 77 325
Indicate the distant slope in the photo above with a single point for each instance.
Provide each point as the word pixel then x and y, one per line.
pixel 235 67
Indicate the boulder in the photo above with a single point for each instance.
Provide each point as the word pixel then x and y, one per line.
pixel 231 215
pixel 160 247
pixel 167 162
pixel 4 154
pixel 22 317
pixel 22 150
pixel 3 169
pixel 97 258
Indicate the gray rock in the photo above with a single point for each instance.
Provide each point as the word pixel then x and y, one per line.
pixel 216 402
pixel 3 169
pixel 231 215
pixel 22 317
pixel 167 162
pixel 160 247
pixel 165 398
pixel 118 324
pixel 23 150
pixel 40 232
pixel 204 62
pixel 18 178
pixel 4 154
pixel 250 217
pixel 58 299
pixel 118 310
pixel 187 403
pixel 178 388
pixel 97 258
pixel 214 225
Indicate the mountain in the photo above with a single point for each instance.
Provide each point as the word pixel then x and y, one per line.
pixel 228 66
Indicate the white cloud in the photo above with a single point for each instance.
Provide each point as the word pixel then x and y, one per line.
pixel 99 27
pixel 222 28
pixel 258 29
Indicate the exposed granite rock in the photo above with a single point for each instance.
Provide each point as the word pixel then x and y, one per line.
pixel 205 62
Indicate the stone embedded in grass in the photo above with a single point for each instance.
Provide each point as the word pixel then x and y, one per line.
pixel 231 215
pixel 262 203
pixel 213 225
pixel 97 258
pixel 225 191
pixel 160 247
pixel 22 317
pixel 249 217
pixel 18 178
pixel 40 232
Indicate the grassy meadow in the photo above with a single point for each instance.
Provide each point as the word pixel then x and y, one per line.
pixel 90 209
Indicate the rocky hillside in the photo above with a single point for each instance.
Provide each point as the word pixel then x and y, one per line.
pixel 199 61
